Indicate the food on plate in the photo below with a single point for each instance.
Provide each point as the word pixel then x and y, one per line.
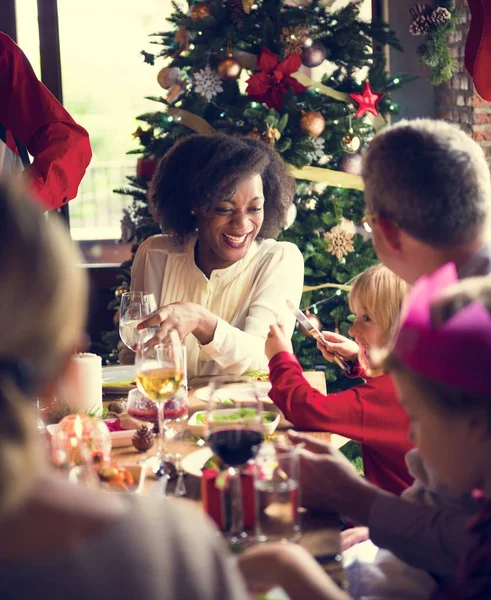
pixel 110 473
pixel 257 375
pixel 241 413
pixel 212 463
pixel 122 383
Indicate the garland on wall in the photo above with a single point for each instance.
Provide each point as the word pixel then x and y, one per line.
pixel 436 24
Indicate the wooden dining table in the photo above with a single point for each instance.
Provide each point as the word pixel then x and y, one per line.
pixel 320 532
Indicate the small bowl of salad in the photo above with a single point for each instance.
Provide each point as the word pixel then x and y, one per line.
pixel 271 419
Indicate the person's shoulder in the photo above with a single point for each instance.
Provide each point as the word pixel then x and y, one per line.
pixel 280 250
pixel 162 520
pixel 162 243
pixel 7 46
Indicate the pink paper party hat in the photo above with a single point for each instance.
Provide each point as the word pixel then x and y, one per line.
pixel 457 352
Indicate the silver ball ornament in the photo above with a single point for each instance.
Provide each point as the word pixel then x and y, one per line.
pixel 314 55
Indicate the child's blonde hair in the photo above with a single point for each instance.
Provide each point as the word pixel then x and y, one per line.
pixel 42 308
pixel 453 300
pixel 381 293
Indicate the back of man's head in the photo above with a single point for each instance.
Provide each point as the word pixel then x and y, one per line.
pixel 431 179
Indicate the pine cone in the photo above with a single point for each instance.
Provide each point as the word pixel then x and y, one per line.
pixel 115 407
pixel 440 15
pixel 143 439
pixel 421 25
pixel 420 9
pixel 236 12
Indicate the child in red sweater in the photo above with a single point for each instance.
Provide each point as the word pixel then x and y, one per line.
pixel 368 413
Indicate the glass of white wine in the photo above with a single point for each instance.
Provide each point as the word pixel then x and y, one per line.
pixel 135 307
pixel 159 374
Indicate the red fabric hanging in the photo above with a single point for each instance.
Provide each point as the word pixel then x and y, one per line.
pixel 478 47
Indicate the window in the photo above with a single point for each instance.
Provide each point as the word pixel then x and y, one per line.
pixel 104 83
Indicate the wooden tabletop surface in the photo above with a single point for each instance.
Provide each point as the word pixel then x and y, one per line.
pixel 320 533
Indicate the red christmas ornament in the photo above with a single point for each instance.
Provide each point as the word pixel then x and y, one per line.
pixel 478 47
pixel 145 167
pixel 273 80
pixel 367 101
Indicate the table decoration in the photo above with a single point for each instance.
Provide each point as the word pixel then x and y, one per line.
pixel 77 437
pixel 218 500
pixel 85 394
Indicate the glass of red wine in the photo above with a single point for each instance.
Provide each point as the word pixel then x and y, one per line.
pixel 234 420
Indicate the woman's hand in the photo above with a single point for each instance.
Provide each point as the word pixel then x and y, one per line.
pixel 185 318
pixel 330 482
pixel 277 342
pixel 126 356
pixel 346 348
pixel 353 536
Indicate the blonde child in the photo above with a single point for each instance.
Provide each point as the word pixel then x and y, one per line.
pixel 369 412
pixel 58 540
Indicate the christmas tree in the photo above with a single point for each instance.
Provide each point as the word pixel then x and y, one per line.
pixel 243 67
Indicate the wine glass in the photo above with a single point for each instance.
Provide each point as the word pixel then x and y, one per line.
pixel 159 373
pixel 235 433
pixel 176 408
pixel 135 307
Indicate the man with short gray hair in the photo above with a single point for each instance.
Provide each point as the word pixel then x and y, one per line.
pixel 427 196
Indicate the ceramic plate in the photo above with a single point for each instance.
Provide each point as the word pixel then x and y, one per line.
pixel 194 462
pixel 263 387
pixel 116 379
pixel 119 439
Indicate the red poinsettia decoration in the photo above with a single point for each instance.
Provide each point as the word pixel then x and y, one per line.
pixel 271 82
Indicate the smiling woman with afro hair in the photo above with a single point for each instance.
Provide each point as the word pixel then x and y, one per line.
pixel 217 273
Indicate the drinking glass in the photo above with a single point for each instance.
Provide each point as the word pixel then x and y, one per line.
pixel 277 487
pixel 135 307
pixel 175 409
pixel 235 433
pixel 159 373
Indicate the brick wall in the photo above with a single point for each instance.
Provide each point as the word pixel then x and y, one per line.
pixel 456 100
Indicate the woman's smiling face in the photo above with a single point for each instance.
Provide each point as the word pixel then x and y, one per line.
pixel 226 236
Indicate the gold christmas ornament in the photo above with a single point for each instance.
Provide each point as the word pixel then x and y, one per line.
pixel 271 136
pixel 339 242
pixel 294 39
pixel 254 134
pixel 175 92
pixel 312 123
pixel 120 291
pixel 182 38
pixel 247 5
pixel 230 68
pixel 200 11
pixel 168 76
pixel 350 143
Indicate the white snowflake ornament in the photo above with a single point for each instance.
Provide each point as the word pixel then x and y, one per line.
pixel 207 83
pixel 317 151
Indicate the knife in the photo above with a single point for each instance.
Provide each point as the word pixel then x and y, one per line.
pixel 315 333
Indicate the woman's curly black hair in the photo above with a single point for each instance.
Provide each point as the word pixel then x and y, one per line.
pixel 200 170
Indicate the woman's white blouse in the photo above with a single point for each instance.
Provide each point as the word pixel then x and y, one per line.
pixel 247 297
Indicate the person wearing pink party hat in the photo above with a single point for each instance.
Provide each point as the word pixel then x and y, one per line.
pixel 446 396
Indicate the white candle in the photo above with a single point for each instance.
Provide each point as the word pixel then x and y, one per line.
pixel 86 393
